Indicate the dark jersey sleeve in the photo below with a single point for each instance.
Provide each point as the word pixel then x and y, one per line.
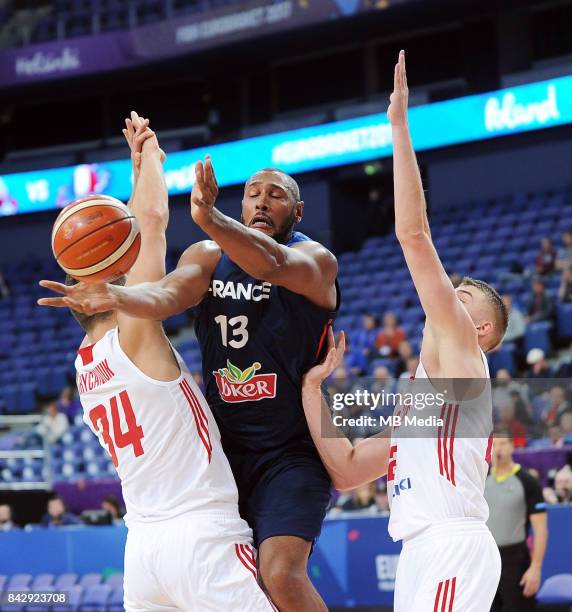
pixel 532 493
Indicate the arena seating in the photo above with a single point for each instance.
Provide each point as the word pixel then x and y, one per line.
pixel 71 18
pixel 88 593
pixel 38 345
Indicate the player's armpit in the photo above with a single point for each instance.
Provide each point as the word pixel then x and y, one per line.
pixel 307 268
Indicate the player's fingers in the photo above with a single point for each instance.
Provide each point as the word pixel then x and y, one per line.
pixel 53 286
pixel 396 78
pixel 209 168
pixel 342 342
pixel 403 69
pixel 54 302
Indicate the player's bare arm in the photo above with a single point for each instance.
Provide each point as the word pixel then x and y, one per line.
pixel 450 328
pixel 179 290
pixel 144 341
pixel 348 466
pixel 306 268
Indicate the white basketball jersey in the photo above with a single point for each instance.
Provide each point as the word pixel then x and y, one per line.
pixel 161 436
pixel 437 473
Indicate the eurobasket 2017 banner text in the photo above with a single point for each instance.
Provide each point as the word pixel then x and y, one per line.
pixel 508 111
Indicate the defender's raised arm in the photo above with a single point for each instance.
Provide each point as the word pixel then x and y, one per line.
pixel 444 312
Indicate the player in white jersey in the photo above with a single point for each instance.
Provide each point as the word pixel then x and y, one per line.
pixel 187 547
pixel 436 473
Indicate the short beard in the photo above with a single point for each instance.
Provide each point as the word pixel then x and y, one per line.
pixel 283 234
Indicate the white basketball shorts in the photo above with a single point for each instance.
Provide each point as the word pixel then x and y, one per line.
pixel 452 566
pixel 193 563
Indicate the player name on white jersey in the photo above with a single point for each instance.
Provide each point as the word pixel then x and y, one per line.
pixel 100 375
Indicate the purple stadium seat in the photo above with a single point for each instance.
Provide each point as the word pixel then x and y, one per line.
pixel 3 581
pixel 75 595
pixel 65 581
pixel 89 580
pixel 13 607
pixel 95 598
pixel 19 581
pixel 115 581
pixel 115 603
pixel 556 590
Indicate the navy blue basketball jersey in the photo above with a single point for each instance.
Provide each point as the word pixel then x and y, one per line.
pixel 257 340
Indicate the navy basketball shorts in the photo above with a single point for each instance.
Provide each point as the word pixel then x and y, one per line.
pixel 286 495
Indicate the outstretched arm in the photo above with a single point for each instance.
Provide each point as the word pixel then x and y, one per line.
pixel 307 268
pixel 348 466
pixel 179 290
pixel 436 292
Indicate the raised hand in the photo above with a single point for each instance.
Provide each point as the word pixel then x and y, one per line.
pixel 205 191
pixel 399 99
pixel 82 297
pixel 334 359
pixel 140 136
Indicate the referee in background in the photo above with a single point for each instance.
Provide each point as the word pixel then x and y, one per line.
pixel 515 502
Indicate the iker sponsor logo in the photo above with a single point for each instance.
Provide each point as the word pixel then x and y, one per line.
pixel 237 385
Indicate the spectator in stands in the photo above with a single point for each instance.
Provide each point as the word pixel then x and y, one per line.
pixel 507 421
pixel 564 256
pixel 364 339
pixel 355 361
pixel 565 291
pixel 69 404
pixel 6 522
pixel 111 504
pixel 565 367
pixel 404 353
pixel 516 321
pixel 515 500
pixel 505 387
pixel 562 491
pixel 363 498
pixel 557 407
pixel 539 370
pixel 4 291
pixel 390 337
pixel 540 305
pixel 54 424
pixel 546 259
pixel 565 424
pixel 57 515
pixel 381 498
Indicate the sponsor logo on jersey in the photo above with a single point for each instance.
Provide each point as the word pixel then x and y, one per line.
pixel 240 291
pixel 236 385
pixel 399 487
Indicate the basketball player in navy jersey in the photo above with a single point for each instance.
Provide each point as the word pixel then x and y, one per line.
pixel 264 297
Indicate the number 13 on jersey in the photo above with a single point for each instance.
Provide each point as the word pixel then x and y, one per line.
pixel 121 439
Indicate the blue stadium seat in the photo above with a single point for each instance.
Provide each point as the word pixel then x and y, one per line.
pixel 95 598
pixel 75 596
pixel 564 321
pixel 19 581
pixel 115 581
pixel 556 590
pixel 115 603
pixel 90 580
pixel 537 335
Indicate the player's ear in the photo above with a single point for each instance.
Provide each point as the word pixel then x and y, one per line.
pixel 299 211
pixel 485 328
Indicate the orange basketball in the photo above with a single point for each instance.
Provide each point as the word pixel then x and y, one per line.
pixel 96 239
